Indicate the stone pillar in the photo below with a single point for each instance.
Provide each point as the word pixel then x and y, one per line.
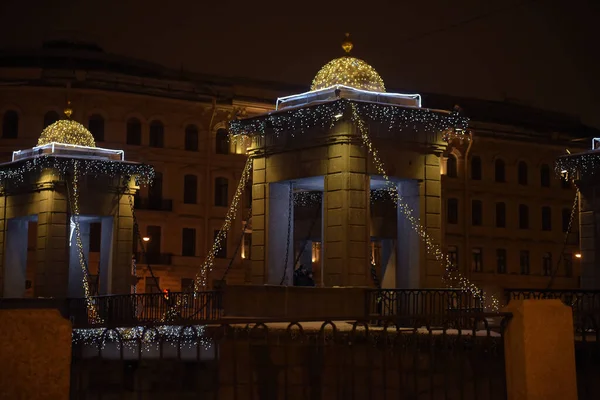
pixel 259 203
pixel 106 255
pixel 15 260
pixel 52 269
pixel 431 217
pixel 589 231
pixel 35 356
pixel 279 214
pixel 346 217
pixel 122 248
pixel 75 271
pixel 539 351
pixel 409 244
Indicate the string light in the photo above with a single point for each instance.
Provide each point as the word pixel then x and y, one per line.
pixel 348 71
pixel 395 118
pixel 307 199
pixel 187 336
pixel 451 276
pixel 68 132
pixel 577 166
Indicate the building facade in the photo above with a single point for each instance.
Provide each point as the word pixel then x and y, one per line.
pixel 502 210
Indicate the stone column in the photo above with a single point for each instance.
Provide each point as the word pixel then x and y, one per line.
pixel 431 217
pixel 122 247
pixel 409 244
pixel 539 351
pixel 279 215
pixel 15 272
pixel 346 217
pixel 52 269
pixel 259 203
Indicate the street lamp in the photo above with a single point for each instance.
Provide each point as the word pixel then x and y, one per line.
pixel 146 239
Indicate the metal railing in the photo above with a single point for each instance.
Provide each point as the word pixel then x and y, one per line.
pixel 148 308
pixel 333 359
pixel 442 305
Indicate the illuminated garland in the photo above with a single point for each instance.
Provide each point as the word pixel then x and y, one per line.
pixel 186 336
pixel 206 268
pixel 307 199
pixel 381 195
pixel 450 275
pixel 17 172
pixel 91 308
pixel 325 115
pixel 578 166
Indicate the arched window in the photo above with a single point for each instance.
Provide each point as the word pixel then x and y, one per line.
pixel 190 189
pixel 10 125
pixel 222 142
pixel 545 175
pixel 134 132
pixel 522 173
pixel 476 168
pixel 50 117
pixel 157 134
pixel 191 138
pixel 499 171
pixel 451 166
pixel 221 192
pixel 96 127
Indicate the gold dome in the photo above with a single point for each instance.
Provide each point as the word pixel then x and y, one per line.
pixel 67 131
pixel 348 71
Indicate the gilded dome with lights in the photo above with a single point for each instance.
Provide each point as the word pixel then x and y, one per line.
pixel 348 71
pixel 67 131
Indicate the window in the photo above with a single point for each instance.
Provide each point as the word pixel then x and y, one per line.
pixel 10 125
pixel 187 284
pixel 523 216
pixel 452 211
pixel 153 245
pixel 476 260
pixel 222 251
pixel 476 213
pixel 190 189
pixel 476 168
pixel 222 142
pixel 499 172
pixel 453 257
pixel 451 166
pixel 547 264
pixel 524 262
pixel 566 218
pixel 221 192
pixel 546 218
pixel 95 236
pixel 501 261
pixel 157 134
pixel 545 175
pixel 191 138
pixel 568 260
pixel 522 172
pixel 152 285
pixel 500 215
pixel 50 117
pixel 134 132
pixel 96 127
pixel 188 242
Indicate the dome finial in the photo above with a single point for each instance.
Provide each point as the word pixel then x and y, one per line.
pixel 68 110
pixel 347 44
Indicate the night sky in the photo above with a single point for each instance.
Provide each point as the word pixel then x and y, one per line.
pixel 539 53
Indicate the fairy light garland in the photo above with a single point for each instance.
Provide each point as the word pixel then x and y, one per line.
pixel 307 199
pixel 348 71
pixel 451 276
pixel 325 115
pixel 189 336
pixel 67 131
pixel 206 268
pixel 91 307
pixel 578 166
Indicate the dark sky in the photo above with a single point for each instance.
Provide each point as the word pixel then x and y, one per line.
pixel 542 53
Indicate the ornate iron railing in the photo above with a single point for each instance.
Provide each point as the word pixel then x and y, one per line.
pixel 262 359
pixel 148 309
pixel 440 304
